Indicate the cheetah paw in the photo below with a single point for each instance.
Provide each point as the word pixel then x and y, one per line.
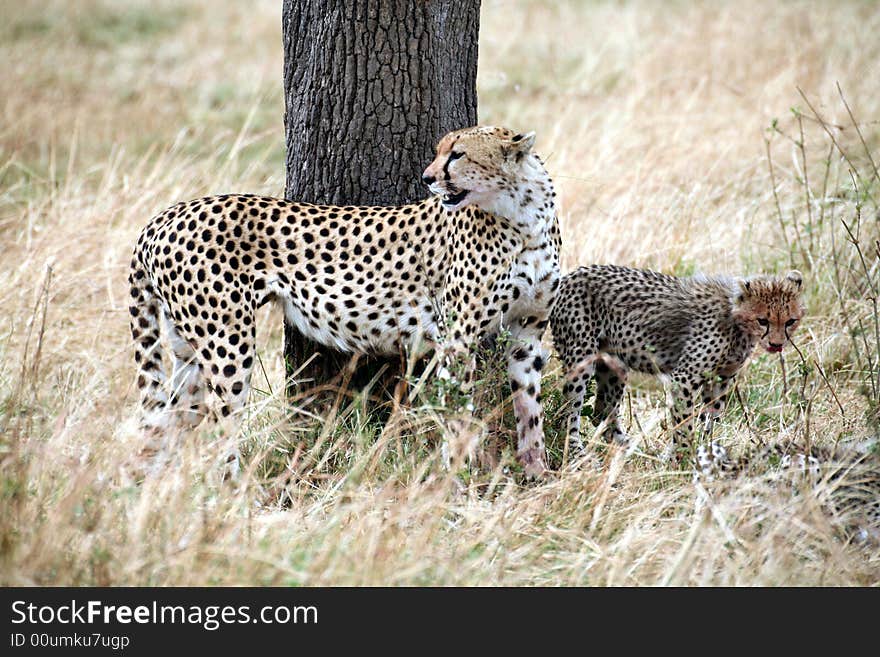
pixel 461 441
pixel 576 446
pixel 618 437
pixel 230 468
pixel 533 464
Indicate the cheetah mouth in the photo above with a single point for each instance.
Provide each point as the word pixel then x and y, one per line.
pixel 774 350
pixel 452 200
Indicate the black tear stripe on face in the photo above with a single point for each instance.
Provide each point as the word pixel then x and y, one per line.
pixel 452 157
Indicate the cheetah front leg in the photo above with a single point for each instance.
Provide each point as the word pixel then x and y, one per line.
pixel 680 400
pixel 464 319
pixel 526 359
pixel 456 370
pixel 715 391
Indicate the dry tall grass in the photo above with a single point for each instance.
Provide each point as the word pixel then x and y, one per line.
pixel 670 133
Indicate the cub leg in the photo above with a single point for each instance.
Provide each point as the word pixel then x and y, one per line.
pixel 610 382
pixel 680 401
pixel 714 396
pixel 580 367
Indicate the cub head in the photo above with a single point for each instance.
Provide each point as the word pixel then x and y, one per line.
pixel 770 308
pixel 478 166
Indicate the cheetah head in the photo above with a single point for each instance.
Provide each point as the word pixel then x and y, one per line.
pixel 478 166
pixel 770 308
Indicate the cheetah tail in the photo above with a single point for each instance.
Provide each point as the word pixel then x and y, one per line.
pixel 144 322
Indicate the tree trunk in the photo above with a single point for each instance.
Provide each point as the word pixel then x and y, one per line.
pixel 369 86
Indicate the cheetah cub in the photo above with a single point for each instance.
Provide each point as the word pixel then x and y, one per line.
pixel 694 332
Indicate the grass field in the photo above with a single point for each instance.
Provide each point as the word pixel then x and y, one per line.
pixel 737 137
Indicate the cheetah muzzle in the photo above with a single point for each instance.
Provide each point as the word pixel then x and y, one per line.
pixel 453 200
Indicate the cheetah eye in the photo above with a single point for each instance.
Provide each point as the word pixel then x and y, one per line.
pixel 790 323
pixel 453 156
pixel 763 322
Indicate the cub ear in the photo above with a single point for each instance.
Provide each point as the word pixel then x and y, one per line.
pixel 795 278
pixel 745 290
pixel 520 145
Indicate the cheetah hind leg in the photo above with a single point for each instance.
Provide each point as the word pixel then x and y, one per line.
pixel 186 401
pixel 610 383
pixel 225 432
pixel 228 391
pixel 180 410
pixel 580 370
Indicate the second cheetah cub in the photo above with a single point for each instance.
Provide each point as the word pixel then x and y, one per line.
pixel 695 332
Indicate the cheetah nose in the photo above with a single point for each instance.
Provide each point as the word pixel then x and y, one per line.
pixel 428 179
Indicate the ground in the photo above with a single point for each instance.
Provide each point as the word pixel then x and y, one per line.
pixel 678 139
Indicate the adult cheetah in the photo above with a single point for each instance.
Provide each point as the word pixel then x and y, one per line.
pixel 479 255
pixel 696 332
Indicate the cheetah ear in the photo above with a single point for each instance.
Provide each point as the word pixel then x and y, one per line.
pixel 520 145
pixel 795 278
pixel 745 290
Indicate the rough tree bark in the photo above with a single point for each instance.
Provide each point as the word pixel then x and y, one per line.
pixel 369 88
